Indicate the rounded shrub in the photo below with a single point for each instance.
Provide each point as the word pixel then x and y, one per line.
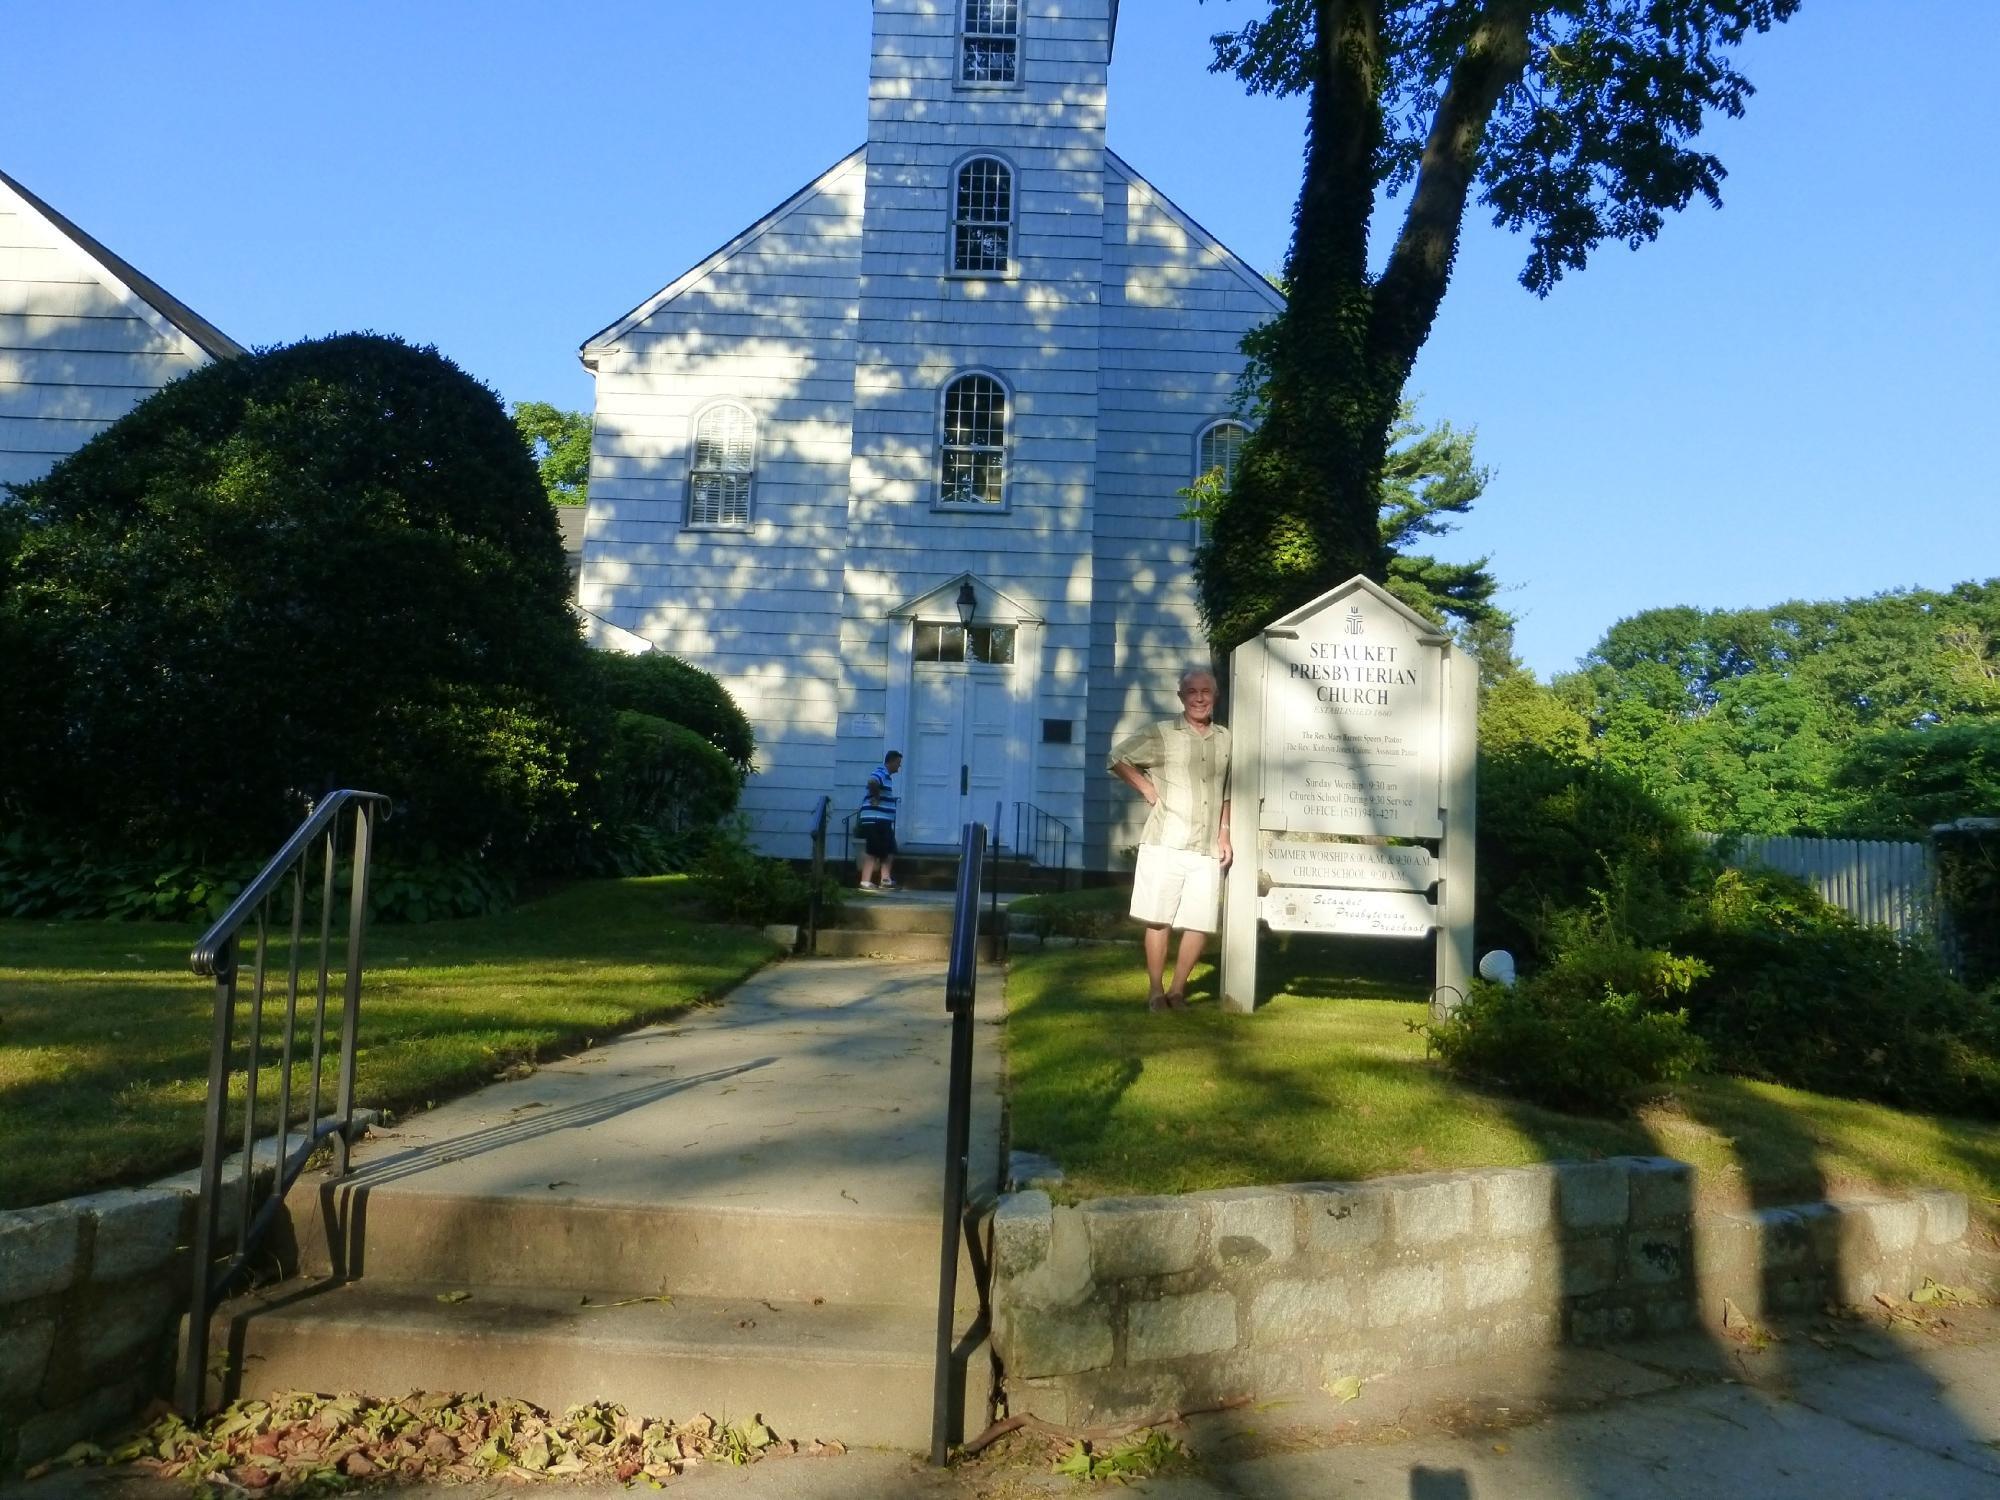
pixel 326 564
pixel 665 687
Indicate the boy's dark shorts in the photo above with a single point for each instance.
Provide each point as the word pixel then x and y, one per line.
pixel 879 839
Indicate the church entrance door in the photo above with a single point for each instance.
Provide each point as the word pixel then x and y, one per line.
pixel 961 702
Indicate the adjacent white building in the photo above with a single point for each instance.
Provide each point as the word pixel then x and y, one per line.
pixel 84 337
pixel 900 463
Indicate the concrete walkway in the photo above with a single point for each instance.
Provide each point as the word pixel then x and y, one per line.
pixel 816 1088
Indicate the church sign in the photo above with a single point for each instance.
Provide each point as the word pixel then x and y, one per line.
pixel 1353 755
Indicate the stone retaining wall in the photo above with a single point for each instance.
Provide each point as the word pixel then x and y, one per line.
pixel 93 1291
pixel 1127 1308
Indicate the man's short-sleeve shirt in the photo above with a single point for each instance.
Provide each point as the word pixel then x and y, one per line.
pixel 1192 773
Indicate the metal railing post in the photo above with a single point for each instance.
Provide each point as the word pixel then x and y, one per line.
pixel 218 956
pixel 960 992
pixel 818 874
pixel 194 1361
pixel 350 1017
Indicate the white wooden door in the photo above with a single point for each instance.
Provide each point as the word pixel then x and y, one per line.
pixel 961 716
pixel 931 772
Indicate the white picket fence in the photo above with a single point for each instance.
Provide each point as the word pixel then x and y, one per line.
pixel 1881 884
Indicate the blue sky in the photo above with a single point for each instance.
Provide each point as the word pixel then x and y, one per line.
pixel 1794 397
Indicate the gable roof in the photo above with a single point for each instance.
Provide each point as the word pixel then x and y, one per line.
pixel 605 337
pixel 1256 280
pixel 211 340
pixel 614 331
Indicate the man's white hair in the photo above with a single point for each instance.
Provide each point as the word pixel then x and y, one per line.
pixel 1190 673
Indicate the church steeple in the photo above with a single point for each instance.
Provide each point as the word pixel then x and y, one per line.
pixel 978 63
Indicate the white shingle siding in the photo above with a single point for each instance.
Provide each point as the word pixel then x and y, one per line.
pixel 838 323
pixel 78 348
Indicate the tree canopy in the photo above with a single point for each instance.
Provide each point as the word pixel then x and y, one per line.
pixel 559 442
pixel 1576 122
pixel 1836 716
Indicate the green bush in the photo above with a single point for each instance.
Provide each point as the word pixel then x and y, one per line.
pixel 1800 994
pixel 1558 834
pixel 1590 1032
pixel 666 776
pixel 741 886
pixel 331 563
pixel 666 687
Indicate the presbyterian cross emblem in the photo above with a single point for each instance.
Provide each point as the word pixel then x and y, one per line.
pixel 1354 621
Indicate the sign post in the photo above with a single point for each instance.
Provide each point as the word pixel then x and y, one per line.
pixel 1354 727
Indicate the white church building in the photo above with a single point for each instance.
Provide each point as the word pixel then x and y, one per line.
pixel 901 463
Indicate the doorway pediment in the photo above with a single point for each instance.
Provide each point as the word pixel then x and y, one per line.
pixel 995 606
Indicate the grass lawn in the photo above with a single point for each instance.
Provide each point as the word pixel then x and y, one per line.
pixel 104 1033
pixel 1329 1083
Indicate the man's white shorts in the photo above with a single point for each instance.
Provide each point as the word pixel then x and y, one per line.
pixel 1177 888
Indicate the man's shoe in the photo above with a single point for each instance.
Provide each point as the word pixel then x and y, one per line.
pixel 1177 1000
pixel 868 887
pixel 1156 1003
pixel 888 885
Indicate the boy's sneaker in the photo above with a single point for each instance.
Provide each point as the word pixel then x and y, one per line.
pixel 888 885
pixel 868 886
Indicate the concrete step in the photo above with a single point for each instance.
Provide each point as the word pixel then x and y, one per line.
pixel 847 942
pixel 856 1372
pixel 891 914
pixel 558 1242
pixel 931 872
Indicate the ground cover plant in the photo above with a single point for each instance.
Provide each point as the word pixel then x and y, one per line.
pixel 104 1033
pixel 1331 1081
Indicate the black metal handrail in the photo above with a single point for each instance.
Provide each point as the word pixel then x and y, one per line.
pixel 216 956
pixel 820 815
pixel 1042 839
pixel 960 991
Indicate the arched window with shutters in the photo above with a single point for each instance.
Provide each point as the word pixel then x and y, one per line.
pixel 972 457
pixel 982 217
pixel 1217 448
pixel 723 468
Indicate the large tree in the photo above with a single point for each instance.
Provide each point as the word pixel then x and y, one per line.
pixel 1574 119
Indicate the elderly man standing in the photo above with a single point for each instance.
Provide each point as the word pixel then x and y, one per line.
pixel 1181 767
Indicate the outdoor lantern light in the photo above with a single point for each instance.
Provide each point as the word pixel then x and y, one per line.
pixel 1498 966
pixel 968 604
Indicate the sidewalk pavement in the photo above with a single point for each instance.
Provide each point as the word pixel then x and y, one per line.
pixel 1832 1410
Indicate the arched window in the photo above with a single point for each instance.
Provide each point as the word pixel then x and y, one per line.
pixel 719 479
pixel 1217 448
pixel 982 217
pixel 972 461
pixel 990 42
